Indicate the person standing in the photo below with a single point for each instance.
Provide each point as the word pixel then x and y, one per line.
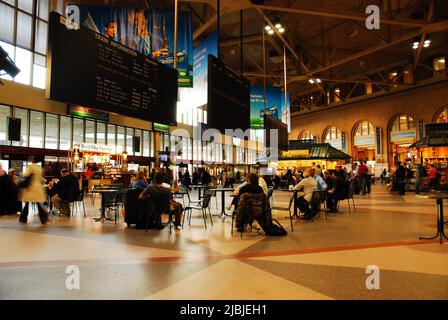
pixel 420 176
pixel 400 176
pixel 432 173
pixel 8 194
pixel 362 176
pixel 186 179
pixel 195 176
pixel 33 192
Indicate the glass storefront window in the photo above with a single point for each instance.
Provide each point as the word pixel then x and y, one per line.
pixel 51 131
pixel 146 143
pixel 90 131
pixel 5 112
pixel 78 131
pixel 6 23
pixel 23 62
pixel 65 134
pixel 130 141
pixel 24 24
pixel 138 133
pixel 120 139
pixel 111 135
pixel 100 133
pixel 23 115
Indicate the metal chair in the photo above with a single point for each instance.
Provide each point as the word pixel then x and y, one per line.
pixel 78 201
pixel 202 207
pixel 190 201
pixel 160 204
pixel 291 201
pixel 323 200
pixel 350 196
pixel 120 200
pixel 181 195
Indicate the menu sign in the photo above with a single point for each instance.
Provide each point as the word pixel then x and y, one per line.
pixel 88 68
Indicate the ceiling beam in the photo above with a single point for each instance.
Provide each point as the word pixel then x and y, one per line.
pixel 423 37
pixel 429 28
pixel 287 45
pixel 340 15
pixel 236 41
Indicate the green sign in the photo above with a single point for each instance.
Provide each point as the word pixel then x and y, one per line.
pixel 160 127
pixel 84 112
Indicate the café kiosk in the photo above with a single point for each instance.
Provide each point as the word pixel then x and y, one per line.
pixel 85 155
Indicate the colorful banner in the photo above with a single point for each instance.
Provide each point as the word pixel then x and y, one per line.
pixel 273 105
pixel 148 31
pixel 403 136
pixel 190 98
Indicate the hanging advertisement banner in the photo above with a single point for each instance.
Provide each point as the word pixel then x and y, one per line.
pixel 148 31
pixel 190 98
pixel 273 105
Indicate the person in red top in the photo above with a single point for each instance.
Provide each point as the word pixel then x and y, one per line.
pixel 432 173
pixel 362 176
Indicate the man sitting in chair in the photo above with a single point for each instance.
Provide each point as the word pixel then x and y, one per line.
pixel 157 189
pixel 305 190
pixel 253 204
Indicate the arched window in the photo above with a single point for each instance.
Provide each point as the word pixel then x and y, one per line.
pixel 306 135
pixel 333 136
pixel 442 117
pixel 364 128
pixel 332 133
pixel 403 122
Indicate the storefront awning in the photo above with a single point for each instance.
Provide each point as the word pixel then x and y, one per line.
pixel 313 151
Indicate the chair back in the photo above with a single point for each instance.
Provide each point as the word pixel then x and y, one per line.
pixel 350 192
pixel 323 196
pixel 315 200
pixel 206 199
pixel 120 198
pixel 255 203
pixel 212 192
pixel 160 203
pixel 109 198
pixel 80 195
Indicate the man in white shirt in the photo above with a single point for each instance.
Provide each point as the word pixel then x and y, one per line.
pixel 305 190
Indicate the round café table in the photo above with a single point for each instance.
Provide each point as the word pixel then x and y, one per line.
pixel 223 201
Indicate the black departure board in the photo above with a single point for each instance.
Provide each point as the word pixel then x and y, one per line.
pixel 282 133
pixel 228 105
pixel 87 68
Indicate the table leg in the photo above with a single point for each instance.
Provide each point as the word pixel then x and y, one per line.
pixel 223 205
pixel 440 223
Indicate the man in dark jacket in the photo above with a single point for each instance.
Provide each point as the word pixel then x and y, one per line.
pixel 400 177
pixel 67 191
pixel 8 195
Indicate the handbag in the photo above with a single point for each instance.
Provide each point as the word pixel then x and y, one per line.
pixel 25 182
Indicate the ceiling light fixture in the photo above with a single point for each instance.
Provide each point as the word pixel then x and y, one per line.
pixel 281 30
pixel 270 32
pixel 278 25
pixel 311 81
pixel 267 28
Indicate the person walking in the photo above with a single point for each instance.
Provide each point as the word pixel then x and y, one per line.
pixel 33 192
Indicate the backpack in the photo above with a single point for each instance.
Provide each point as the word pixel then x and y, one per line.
pixel 275 229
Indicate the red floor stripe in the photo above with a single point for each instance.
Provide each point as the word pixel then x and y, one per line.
pixel 240 255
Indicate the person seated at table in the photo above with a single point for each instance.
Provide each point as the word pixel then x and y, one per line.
pixel 305 190
pixel 66 190
pixel 140 182
pixel 242 189
pixel 321 184
pixel 338 191
pixel 252 187
pixel 158 189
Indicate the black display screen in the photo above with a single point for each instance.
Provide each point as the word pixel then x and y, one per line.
pixel 228 104
pixel 89 69
pixel 271 123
